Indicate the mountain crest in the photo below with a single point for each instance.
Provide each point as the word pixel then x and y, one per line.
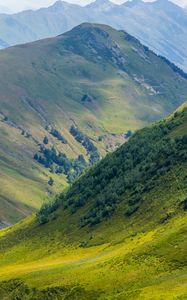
pixel 59 5
pixel 101 5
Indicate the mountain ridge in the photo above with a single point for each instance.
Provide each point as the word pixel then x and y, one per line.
pixel 46 22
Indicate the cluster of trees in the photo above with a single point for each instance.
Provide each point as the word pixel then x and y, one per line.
pixel 58 135
pixel 86 143
pixel 54 132
pixel 59 163
pixel 129 172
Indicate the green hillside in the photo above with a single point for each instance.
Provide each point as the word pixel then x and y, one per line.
pixel 99 80
pixel 130 246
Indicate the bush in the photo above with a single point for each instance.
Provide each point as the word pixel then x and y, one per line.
pixel 45 140
pixel 51 181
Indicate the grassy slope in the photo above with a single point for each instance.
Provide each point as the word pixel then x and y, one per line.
pixel 137 257
pixel 43 83
pixel 23 189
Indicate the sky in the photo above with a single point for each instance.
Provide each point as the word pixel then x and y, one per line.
pixel 17 5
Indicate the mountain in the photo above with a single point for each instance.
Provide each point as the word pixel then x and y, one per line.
pixel 161 25
pixel 3 44
pixel 158 15
pixel 68 101
pixel 101 6
pixel 85 91
pixel 117 233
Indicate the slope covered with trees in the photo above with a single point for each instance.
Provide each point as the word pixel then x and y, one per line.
pixel 130 253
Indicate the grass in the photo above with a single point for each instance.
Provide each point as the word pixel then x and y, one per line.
pixel 23 190
pixel 125 270
pixel 138 257
pixel 45 87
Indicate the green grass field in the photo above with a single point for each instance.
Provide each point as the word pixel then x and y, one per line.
pixel 142 256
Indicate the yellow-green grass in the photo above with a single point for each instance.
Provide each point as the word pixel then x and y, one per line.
pixel 142 257
pixel 127 270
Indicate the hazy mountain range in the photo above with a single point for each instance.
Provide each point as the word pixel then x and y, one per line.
pixel 161 25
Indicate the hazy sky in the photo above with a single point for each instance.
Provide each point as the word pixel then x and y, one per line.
pixel 16 5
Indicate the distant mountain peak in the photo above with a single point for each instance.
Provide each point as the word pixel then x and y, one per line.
pixel 58 5
pixel 103 5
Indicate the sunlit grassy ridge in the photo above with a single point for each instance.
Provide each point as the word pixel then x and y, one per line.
pixel 44 83
pixel 141 256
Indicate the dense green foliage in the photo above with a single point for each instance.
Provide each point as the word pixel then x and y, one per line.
pixel 59 163
pixel 132 170
pixel 18 290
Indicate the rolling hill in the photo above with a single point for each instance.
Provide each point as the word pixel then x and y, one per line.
pixel 69 100
pixel 118 233
pixel 160 25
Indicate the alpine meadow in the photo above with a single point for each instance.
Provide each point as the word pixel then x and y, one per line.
pixel 93 152
pixel 101 81
pixel 117 233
